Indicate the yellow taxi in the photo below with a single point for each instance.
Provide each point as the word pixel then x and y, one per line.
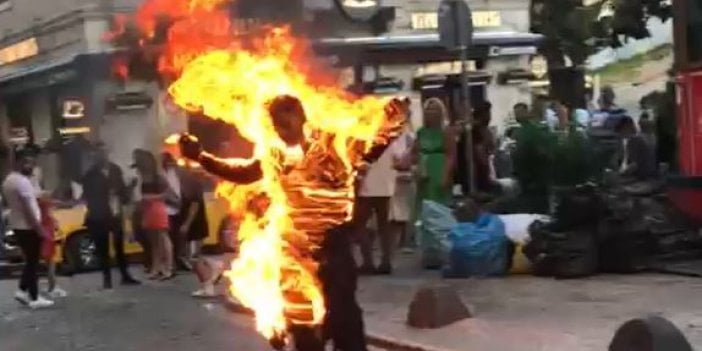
pixel 77 252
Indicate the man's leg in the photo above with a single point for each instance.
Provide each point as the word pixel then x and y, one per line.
pixel 118 245
pixel 365 237
pixel 99 231
pixel 381 207
pixel 30 244
pixel 338 274
pixel 179 243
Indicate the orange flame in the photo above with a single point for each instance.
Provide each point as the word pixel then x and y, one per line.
pixel 306 192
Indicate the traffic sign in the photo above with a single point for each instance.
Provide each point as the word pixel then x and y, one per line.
pixel 455 24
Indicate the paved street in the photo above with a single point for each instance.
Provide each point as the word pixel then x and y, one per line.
pixel 151 317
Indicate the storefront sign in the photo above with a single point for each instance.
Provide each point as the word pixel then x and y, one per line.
pixel 539 66
pixel 359 10
pixel 74 130
pixel 19 51
pixel 430 20
pixel 73 109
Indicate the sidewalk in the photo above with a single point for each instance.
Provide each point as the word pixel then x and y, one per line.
pixel 523 313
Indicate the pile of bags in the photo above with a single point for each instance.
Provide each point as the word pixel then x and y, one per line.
pixel 491 245
pixel 594 231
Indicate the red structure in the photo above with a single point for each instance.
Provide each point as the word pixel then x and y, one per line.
pixel 686 190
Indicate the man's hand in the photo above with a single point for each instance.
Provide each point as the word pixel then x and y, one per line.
pixel 398 109
pixel 190 147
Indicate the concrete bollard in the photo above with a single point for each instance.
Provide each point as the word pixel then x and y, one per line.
pixel 651 333
pixel 435 307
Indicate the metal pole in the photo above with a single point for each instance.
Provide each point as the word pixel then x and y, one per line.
pixel 467 117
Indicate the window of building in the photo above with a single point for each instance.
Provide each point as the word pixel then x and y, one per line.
pixel 5 5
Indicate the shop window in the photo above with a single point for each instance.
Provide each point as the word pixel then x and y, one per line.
pixel 5 5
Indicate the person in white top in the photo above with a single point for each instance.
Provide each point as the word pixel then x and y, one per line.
pixel 377 186
pixel 25 221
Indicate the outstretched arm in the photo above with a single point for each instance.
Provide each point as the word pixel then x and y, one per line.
pixel 396 117
pixel 234 170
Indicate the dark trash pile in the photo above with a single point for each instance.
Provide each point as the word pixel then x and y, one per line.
pixel 595 230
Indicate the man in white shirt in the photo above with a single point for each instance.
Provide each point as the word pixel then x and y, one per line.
pixel 377 187
pixel 25 221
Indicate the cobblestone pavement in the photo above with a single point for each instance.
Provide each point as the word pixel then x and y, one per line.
pixel 152 317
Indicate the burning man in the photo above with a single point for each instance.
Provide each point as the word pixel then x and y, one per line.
pixel 319 191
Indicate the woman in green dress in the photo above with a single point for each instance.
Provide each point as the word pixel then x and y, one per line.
pixel 435 149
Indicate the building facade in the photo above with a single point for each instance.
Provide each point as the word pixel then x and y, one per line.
pixel 57 89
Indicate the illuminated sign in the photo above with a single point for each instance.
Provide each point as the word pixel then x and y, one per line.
pixel 19 51
pixel 74 130
pixel 481 19
pixel 359 10
pixel 73 109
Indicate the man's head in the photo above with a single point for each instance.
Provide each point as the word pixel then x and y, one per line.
pixel 168 161
pixel 482 114
pixel 607 96
pixel 25 161
pixel 101 158
pixel 521 112
pixel 626 127
pixel 289 119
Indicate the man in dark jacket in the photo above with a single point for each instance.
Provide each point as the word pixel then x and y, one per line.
pixel 636 158
pixel 105 192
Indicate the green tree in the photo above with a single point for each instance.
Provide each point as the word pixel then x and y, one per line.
pixel 576 31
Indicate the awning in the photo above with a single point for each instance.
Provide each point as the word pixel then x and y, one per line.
pixel 12 72
pixel 424 47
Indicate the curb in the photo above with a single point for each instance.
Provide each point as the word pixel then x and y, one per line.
pixel 373 339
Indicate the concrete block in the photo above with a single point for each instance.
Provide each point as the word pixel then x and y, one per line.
pixel 436 307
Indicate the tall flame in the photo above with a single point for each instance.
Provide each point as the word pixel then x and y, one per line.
pixel 286 213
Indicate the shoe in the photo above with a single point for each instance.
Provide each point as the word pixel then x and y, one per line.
pixel 167 276
pixel 155 276
pixel 183 265
pixel 366 270
pixel 107 284
pixel 407 250
pixel 129 281
pixel 384 269
pixel 206 292
pixel 57 293
pixel 40 303
pixel 22 297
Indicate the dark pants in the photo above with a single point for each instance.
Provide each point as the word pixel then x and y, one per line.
pixel 365 208
pixel 30 243
pixel 141 237
pixel 100 231
pixel 344 319
pixel 179 240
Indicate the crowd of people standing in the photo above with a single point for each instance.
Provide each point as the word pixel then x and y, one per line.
pixel 167 217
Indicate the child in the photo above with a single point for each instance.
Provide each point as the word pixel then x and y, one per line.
pixel 48 247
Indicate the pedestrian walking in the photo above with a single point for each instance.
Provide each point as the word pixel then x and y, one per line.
pixel 25 221
pixel 105 193
pixel 154 191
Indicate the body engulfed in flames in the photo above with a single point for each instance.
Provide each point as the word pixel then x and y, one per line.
pixel 308 190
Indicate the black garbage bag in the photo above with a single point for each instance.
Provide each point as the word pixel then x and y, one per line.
pixel 624 246
pixel 561 254
pixel 577 207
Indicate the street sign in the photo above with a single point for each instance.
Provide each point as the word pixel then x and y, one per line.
pixel 455 24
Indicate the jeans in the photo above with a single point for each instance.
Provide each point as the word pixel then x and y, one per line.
pixel 100 231
pixel 30 243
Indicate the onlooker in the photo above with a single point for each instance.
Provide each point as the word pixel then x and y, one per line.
pixel 609 114
pixel 401 208
pixel 378 185
pixel 636 158
pixel 521 113
pixel 435 150
pixel 193 225
pixel 138 157
pixel 48 247
pixel 484 147
pixel 25 221
pixel 105 193
pixel 154 189
pixel 174 198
